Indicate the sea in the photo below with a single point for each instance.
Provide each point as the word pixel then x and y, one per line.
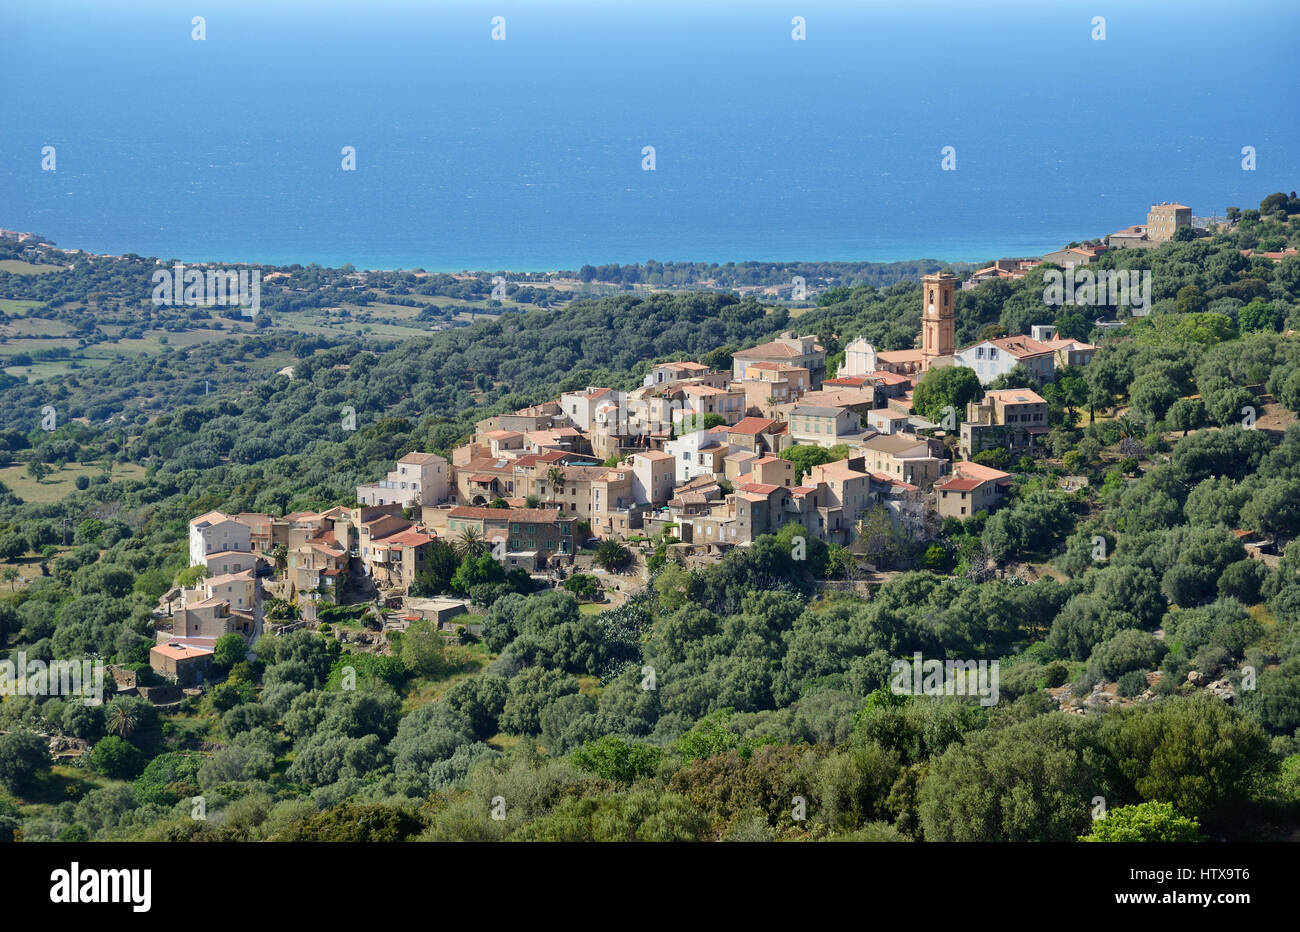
pixel 540 136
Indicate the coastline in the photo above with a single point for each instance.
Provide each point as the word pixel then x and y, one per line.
pixel 524 267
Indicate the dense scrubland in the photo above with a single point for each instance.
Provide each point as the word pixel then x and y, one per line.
pixel 719 702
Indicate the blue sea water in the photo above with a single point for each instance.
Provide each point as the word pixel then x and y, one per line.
pixel 526 154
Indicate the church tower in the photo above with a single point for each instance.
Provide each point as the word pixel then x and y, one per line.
pixel 938 316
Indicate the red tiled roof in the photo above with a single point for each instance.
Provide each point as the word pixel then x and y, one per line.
pixel 752 426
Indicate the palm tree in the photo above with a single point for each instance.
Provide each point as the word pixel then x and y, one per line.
pixel 280 557
pixel 555 475
pixel 470 543
pixel 10 575
pixel 123 719
pixel 610 555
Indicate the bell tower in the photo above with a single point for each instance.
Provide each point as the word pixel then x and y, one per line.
pixel 938 316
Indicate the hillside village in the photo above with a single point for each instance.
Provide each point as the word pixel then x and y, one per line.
pixel 676 546
pixel 694 456
pixel 696 459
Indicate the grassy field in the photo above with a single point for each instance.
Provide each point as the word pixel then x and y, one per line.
pixel 44 370
pixel 18 267
pixel 60 482
pixel 13 306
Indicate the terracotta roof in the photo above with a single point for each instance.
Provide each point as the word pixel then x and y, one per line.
pixel 965 470
pixel 1062 343
pixel 752 426
pixel 840 469
pixel 421 459
pixel 889 378
pixel 480 463
pixel 892 443
pixel 242 576
pixel 1019 346
pixel 412 538
pixel 768 351
pixel 1016 396
pixel 207 603
pixel 910 355
pixel 774 366
pixel 181 653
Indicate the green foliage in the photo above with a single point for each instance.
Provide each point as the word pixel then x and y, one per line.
pixel 583 585
pixel 377 668
pixel 612 758
pixel 1027 782
pixel 477 571
pixel 708 737
pixel 1202 756
pixel 946 386
pixel 168 778
pixel 116 758
pixel 24 758
pixel 1145 822
pixel 230 649
pixel 354 823
pixel 1128 650
pixel 805 456
pixel 440 566
pixel 611 555
pixel 422 650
